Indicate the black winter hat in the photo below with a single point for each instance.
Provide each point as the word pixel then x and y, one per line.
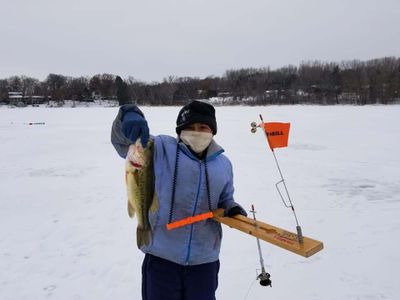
pixel 196 112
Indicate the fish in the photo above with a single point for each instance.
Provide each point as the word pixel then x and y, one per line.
pixel 142 199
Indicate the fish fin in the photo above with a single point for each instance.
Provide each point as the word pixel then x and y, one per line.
pixel 131 210
pixel 130 180
pixel 154 204
pixel 143 237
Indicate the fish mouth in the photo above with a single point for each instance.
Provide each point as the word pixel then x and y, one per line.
pixel 136 165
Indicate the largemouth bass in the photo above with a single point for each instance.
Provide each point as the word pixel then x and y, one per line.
pixel 139 175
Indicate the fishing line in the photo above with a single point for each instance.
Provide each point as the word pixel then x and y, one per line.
pixel 249 289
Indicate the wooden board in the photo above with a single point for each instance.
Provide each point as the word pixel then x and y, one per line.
pixel 271 234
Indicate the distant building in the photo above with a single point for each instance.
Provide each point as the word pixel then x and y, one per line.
pixel 18 99
pixel 15 95
pixel 224 94
pixel 35 100
pixel 96 95
pixel 271 93
pixel 302 93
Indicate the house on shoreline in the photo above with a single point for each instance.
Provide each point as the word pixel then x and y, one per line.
pixel 19 99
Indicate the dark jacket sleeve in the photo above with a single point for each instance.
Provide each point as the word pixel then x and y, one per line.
pixel 118 139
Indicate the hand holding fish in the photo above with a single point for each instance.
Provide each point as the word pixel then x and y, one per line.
pixel 134 126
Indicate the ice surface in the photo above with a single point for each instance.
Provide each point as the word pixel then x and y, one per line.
pixel 65 232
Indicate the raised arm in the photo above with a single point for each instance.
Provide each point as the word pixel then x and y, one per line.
pixel 128 126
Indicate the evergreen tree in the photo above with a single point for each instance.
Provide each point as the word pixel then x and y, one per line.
pixel 122 91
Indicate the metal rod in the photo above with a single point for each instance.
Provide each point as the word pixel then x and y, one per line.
pixel 298 228
pixel 286 190
pixel 258 240
pixel 264 277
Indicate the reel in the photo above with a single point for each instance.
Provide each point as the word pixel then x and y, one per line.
pixel 265 279
pixel 254 127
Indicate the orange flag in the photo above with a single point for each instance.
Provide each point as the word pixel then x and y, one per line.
pixel 190 220
pixel 277 134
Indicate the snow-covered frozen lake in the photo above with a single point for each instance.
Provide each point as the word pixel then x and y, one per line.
pixel 65 233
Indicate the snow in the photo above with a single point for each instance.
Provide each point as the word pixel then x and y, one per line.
pixel 65 232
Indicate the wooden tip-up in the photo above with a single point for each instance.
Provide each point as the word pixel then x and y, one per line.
pixel 271 234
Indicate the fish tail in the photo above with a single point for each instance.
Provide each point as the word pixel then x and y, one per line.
pixel 143 237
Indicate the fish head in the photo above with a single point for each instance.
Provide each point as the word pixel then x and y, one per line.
pixel 139 157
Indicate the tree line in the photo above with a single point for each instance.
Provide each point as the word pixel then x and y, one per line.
pixel 314 82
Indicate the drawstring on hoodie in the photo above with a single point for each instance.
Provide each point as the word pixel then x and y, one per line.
pixel 208 185
pixel 171 211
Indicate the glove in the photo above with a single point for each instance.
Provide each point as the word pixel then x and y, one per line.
pixel 135 126
pixel 236 210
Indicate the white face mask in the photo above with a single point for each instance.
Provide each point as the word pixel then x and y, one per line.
pixel 197 140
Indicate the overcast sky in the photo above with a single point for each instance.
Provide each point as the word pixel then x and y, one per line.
pixel 151 39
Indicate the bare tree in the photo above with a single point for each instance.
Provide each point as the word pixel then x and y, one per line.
pixel 28 85
pixel 3 90
pixel 56 84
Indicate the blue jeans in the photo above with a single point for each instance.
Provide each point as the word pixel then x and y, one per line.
pixel 166 280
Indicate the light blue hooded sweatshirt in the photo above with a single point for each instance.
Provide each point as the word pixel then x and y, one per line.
pixel 200 242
